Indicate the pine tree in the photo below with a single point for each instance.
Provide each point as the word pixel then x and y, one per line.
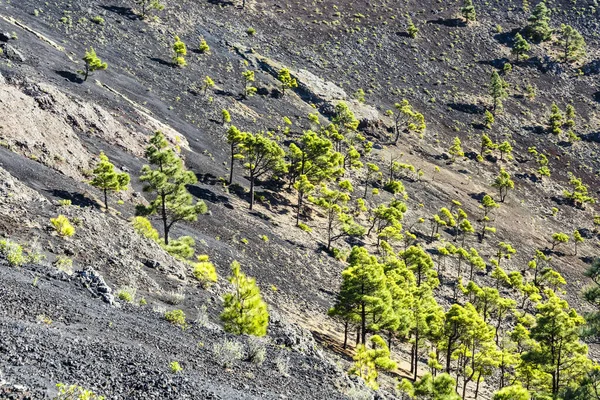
pixel 235 138
pixel 570 116
pixel 368 360
pixel 226 116
pixel 468 11
pixel 520 47
pixel 559 352
pixel 489 119
pixel 503 183
pixel 286 79
pixel 92 63
pixel 487 144
pixel 106 179
pixel 497 90
pixel 456 150
pixel 372 171
pixel 334 202
pixel 505 148
pixel 411 29
pixel 245 312
pixel 558 238
pixel 149 5
pixel 556 120
pixel 514 392
pixel 167 177
pixel 304 187
pixel 572 43
pixel 488 205
pixel 248 77
pixel 179 52
pixel 539 24
pixel 261 156
pixel 365 280
pixel 203 47
pixel 406 119
pixel 441 387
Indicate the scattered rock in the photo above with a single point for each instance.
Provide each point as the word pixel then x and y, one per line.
pixel 5 36
pixel 96 284
pixel 13 54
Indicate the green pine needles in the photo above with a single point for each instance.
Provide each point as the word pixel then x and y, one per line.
pixel 245 311
pixel 92 63
pixel 106 179
pixel 167 177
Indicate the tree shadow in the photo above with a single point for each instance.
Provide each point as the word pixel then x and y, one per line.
pixel 450 22
pixel 70 76
pixel 467 108
pixel 221 2
pixel 125 12
pixel 207 179
pixel 210 196
pixel 596 97
pixel 403 34
pixel 591 68
pixel 477 196
pixel 591 137
pixel 537 129
pixel 161 61
pixel 77 199
pixel 507 38
pixel 530 177
pixel 496 63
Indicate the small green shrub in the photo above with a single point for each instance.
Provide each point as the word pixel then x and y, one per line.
pixel 251 31
pixel 62 226
pixel 304 227
pixel 74 392
pixel 264 238
pixel 204 270
pixel 204 48
pixel 143 227
pixel 126 294
pixel 98 20
pixel 13 252
pixel 176 317
pixel 175 367
pixel 64 203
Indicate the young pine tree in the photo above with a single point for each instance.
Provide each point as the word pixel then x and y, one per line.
pixel 179 52
pixel 245 312
pixel 497 89
pixel 369 359
pixel 503 183
pixel 149 5
pixel 106 179
pixel 92 63
pixel 304 187
pixel 248 77
pixel 167 177
pixel 286 79
pixel 520 47
pixel 572 43
pixel 468 11
pixel 556 120
pixel 261 156
pixel 456 150
pixel 411 29
pixel 235 138
pixel 539 24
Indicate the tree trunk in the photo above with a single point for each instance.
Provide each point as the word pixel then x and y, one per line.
pixel 251 191
pixel 231 163
pixel 164 218
pixel 87 72
pixel 106 199
pixel 416 358
pixel 363 322
pixel 345 334
pixel 300 196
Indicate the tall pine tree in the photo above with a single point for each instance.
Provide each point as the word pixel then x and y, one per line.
pixel 106 179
